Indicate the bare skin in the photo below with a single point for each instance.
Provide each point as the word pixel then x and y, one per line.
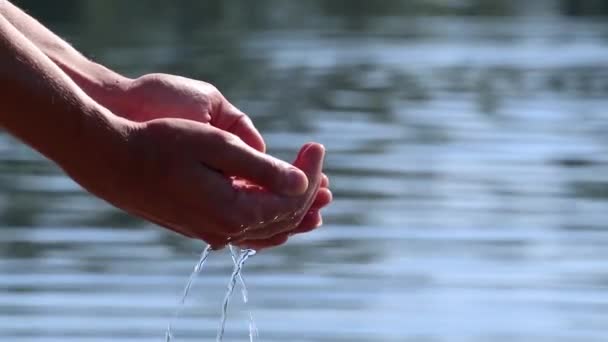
pixel 169 149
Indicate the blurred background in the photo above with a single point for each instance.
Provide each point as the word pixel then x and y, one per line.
pixel 468 152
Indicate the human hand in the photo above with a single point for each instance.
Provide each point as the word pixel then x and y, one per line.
pixel 167 96
pixel 155 96
pixel 162 96
pixel 203 182
pixel 309 218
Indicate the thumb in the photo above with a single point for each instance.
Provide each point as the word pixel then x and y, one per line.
pixel 231 119
pixel 235 158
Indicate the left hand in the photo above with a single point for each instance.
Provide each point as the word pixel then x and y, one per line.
pixel 156 96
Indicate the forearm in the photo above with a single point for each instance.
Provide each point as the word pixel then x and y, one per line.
pixel 99 82
pixel 41 105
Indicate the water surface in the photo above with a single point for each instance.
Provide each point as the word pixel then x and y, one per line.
pixel 468 158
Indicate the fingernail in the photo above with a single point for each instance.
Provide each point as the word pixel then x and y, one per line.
pixel 297 182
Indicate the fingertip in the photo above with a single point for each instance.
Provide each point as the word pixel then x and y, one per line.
pixel 324 197
pixel 310 159
pixel 315 150
pixel 302 151
pixel 297 182
pixel 311 221
pixel 314 155
pixel 324 181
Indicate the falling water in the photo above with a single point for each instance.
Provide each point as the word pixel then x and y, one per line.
pixel 197 269
pixel 238 266
pixel 253 330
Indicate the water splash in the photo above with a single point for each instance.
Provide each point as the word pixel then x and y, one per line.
pixel 197 270
pixel 238 266
pixel 253 329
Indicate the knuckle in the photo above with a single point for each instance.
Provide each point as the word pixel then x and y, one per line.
pixel 274 165
pixel 209 88
pixel 223 139
pixel 213 96
pixel 238 117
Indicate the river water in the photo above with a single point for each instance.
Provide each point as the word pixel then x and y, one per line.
pixel 469 163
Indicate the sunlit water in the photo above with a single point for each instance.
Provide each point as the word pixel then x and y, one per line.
pixel 238 259
pixel 198 268
pixel 468 158
pixel 236 275
pixel 253 329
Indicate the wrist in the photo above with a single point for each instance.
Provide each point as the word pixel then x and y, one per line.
pixel 100 149
pixel 105 86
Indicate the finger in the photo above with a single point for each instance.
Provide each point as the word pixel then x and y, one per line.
pixel 267 229
pixel 232 120
pixel 235 158
pixel 324 181
pixel 324 197
pixel 311 221
pixel 310 160
pixel 232 210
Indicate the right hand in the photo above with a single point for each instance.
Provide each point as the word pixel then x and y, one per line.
pixel 308 217
pixel 206 183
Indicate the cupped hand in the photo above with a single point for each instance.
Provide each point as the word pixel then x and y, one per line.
pixel 308 216
pixel 206 183
pixel 156 96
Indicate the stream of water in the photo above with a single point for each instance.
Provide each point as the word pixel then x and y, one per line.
pixel 238 258
pixel 236 274
pixel 198 268
pixel 253 329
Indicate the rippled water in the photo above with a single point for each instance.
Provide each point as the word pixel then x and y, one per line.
pixel 469 163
